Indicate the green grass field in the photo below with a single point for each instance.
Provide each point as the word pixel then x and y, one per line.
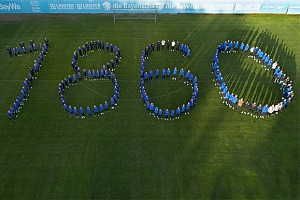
pixel 213 153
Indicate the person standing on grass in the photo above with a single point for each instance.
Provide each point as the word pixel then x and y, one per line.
pixel 168 45
pixel 246 108
pixel 240 104
pixel 178 111
pixel 160 112
pixel 89 112
pixel 10 115
pixel 246 48
pixel 167 114
pixel 75 111
pixel 187 75
pixel 264 111
pixel 173 45
pixel 258 110
pixel 271 110
pixel 81 111
pixel 242 46
pixel 96 111
pixel 158 45
pixel 47 42
pixel 278 76
pixel 163 43
pixel 174 73
pixel 168 72
pixel 9 51
pixel 70 111
pixel 188 54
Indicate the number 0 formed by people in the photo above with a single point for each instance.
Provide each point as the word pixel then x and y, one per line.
pixel 106 73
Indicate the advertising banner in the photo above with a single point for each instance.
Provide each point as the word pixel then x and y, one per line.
pixel 162 6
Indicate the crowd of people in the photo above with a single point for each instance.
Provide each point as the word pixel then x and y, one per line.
pixel 92 46
pixel 106 73
pixel 186 76
pixel 13 111
pixel 31 48
pixel 246 107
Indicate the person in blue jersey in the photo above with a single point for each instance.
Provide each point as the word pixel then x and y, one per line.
pixel 178 112
pixel 98 74
pixel 160 112
pixel 66 109
pixel 264 111
pixel 230 45
pixel 112 103
pixel 181 73
pixel 187 108
pixel 101 109
pixel 234 102
pixel 191 78
pixel 278 76
pixel 163 74
pixel 146 77
pixel 188 54
pixel 187 75
pixel 269 64
pixel 96 111
pixel 81 111
pixel 75 111
pixel 168 72
pixel 236 46
pixel 89 111
pixel 276 71
pixel 260 57
pixel 172 114
pixel 70 111
pixel 183 109
pixel 174 73
pixel 10 116
pixel 167 114
pixel 242 46
pixel 266 60
pixel 15 52
pixel 74 79
pixel 150 75
pixel 246 48
pixel 106 106
pixel 151 108
pixel 155 112
pixel 18 51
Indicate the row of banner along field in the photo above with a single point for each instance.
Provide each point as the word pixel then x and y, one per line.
pixel 162 6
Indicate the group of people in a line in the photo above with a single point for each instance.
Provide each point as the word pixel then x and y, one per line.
pixel 93 46
pixel 106 73
pixel 31 48
pixel 253 108
pixel 13 111
pixel 186 76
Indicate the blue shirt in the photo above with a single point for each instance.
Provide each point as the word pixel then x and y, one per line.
pixel 181 73
pixel 175 71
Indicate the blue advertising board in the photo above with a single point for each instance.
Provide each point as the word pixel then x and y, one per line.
pixel 163 6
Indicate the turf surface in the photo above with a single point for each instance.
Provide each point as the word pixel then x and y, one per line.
pixel 215 152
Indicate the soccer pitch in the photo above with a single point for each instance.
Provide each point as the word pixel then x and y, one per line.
pixel 213 153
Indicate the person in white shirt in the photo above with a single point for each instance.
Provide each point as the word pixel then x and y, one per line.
pixel 163 43
pixel 173 45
